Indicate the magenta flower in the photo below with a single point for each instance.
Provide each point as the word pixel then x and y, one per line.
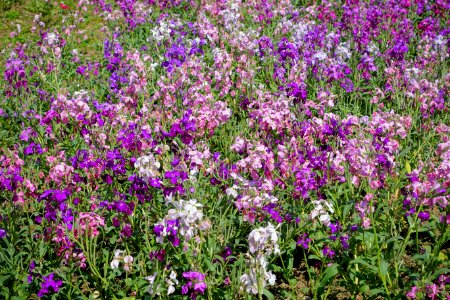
pixel 49 284
pixel 303 241
pixel 424 215
pixel 196 284
pixel 412 293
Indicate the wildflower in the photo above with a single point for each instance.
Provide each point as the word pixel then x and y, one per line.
pixel 118 256
pixel 432 291
pixel 258 276
pixel 344 241
pixel 264 239
pixel 196 284
pixel 321 209
pixel 328 252
pixel 304 241
pixel 424 215
pixel 2 233
pixel 49 284
pixel 159 255
pixel 183 219
pixel 412 293
pixel 171 282
pixel 128 261
pixel 227 281
pixel 151 280
pixel 147 166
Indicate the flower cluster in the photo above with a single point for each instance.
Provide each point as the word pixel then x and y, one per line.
pixel 196 284
pixel 183 219
pixel 263 242
pixel 147 167
pixel 119 257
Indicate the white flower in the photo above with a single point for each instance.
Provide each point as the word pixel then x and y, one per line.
pixel 52 38
pixel 258 272
pixel 188 213
pixel 264 239
pixel 321 209
pixel 232 191
pixel 147 166
pixel 151 280
pixel 118 254
pixel 128 259
pixel 171 282
pixel 115 263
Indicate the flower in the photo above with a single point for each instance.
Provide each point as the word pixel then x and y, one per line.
pixel 2 233
pixel 171 282
pixel 424 215
pixel 195 284
pixel 115 263
pixel 321 209
pixel 147 166
pixel 304 241
pixel 258 276
pixel 412 293
pixel 118 257
pixel 264 239
pixel 49 284
pixel 151 280
pixel 328 252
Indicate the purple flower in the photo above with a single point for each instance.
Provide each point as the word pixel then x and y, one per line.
pixel 127 231
pixel 335 227
pixel 304 241
pixel 424 215
pixel 159 255
pixel 328 252
pixel 344 241
pixel 49 284
pixel 2 233
pixel 412 293
pixel 200 287
pixel 196 284
pixel 158 229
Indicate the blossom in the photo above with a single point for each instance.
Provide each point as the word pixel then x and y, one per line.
pixel 172 281
pixel 264 240
pixel 412 293
pixel 183 219
pixel 304 241
pixel 49 284
pixel 147 166
pixel 258 277
pixel 321 209
pixel 196 284
pixel 151 280
pixel 118 257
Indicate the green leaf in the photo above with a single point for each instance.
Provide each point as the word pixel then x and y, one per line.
pixel 374 292
pixel 384 267
pixel 364 289
pixel 364 263
pixel 268 294
pixel 407 167
pixel 394 238
pixel 4 278
pixel 329 273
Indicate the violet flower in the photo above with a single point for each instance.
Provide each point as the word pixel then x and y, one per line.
pixel 303 241
pixel 196 284
pixel 49 284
